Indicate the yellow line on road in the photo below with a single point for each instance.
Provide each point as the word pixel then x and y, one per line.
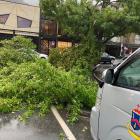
pixel 62 123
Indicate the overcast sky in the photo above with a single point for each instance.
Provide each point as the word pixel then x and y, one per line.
pixel 31 2
pixel 34 2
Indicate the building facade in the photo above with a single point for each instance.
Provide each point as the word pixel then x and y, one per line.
pixel 19 19
pixel 123 45
pixel 52 36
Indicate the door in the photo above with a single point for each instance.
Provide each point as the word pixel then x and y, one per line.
pixel 44 47
pixel 119 100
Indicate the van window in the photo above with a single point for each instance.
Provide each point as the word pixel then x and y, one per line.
pixel 129 76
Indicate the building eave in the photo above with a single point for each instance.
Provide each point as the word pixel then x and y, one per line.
pixel 20 3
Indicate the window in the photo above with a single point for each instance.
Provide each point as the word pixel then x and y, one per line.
pixel 23 22
pixel 3 18
pixel 45 46
pixel 62 44
pixel 49 27
pixel 52 44
pixel 129 76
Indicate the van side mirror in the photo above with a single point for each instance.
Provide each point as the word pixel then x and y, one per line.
pixel 100 82
pixel 108 76
pixel 97 77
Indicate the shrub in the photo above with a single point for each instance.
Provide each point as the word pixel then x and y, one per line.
pixel 39 84
pixel 18 42
pixel 9 105
pixel 74 111
pixel 28 83
pixel 17 50
pixel 80 58
pixel 55 57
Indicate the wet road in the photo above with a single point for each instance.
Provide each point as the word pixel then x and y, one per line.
pixel 80 129
pixel 41 129
pixel 35 129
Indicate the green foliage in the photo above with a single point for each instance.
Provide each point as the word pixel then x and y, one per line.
pixel 19 42
pixel 9 105
pixel 16 50
pixel 39 84
pixel 55 57
pixel 26 115
pixel 74 111
pixel 105 18
pixel 93 24
pixel 44 106
pixel 33 85
pixel 79 59
pixel 71 15
pixel 62 136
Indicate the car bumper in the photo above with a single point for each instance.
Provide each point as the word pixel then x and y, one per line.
pixel 92 134
pixel 94 123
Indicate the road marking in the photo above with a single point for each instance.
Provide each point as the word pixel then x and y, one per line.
pixel 62 123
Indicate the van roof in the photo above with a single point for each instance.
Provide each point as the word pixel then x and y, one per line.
pixel 130 57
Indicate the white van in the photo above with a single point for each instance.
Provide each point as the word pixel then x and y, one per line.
pixel 116 115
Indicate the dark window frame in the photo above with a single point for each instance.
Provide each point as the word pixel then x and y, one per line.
pixel 25 20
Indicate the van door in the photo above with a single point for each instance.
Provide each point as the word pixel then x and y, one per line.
pixel 119 100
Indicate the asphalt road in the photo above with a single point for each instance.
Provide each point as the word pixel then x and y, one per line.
pixel 41 128
pixel 81 129
pixel 35 129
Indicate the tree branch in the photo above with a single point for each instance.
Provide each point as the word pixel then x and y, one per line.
pixel 114 35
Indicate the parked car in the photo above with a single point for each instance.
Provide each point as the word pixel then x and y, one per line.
pixel 34 52
pixel 44 56
pixel 106 58
pixel 40 55
pixel 116 114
